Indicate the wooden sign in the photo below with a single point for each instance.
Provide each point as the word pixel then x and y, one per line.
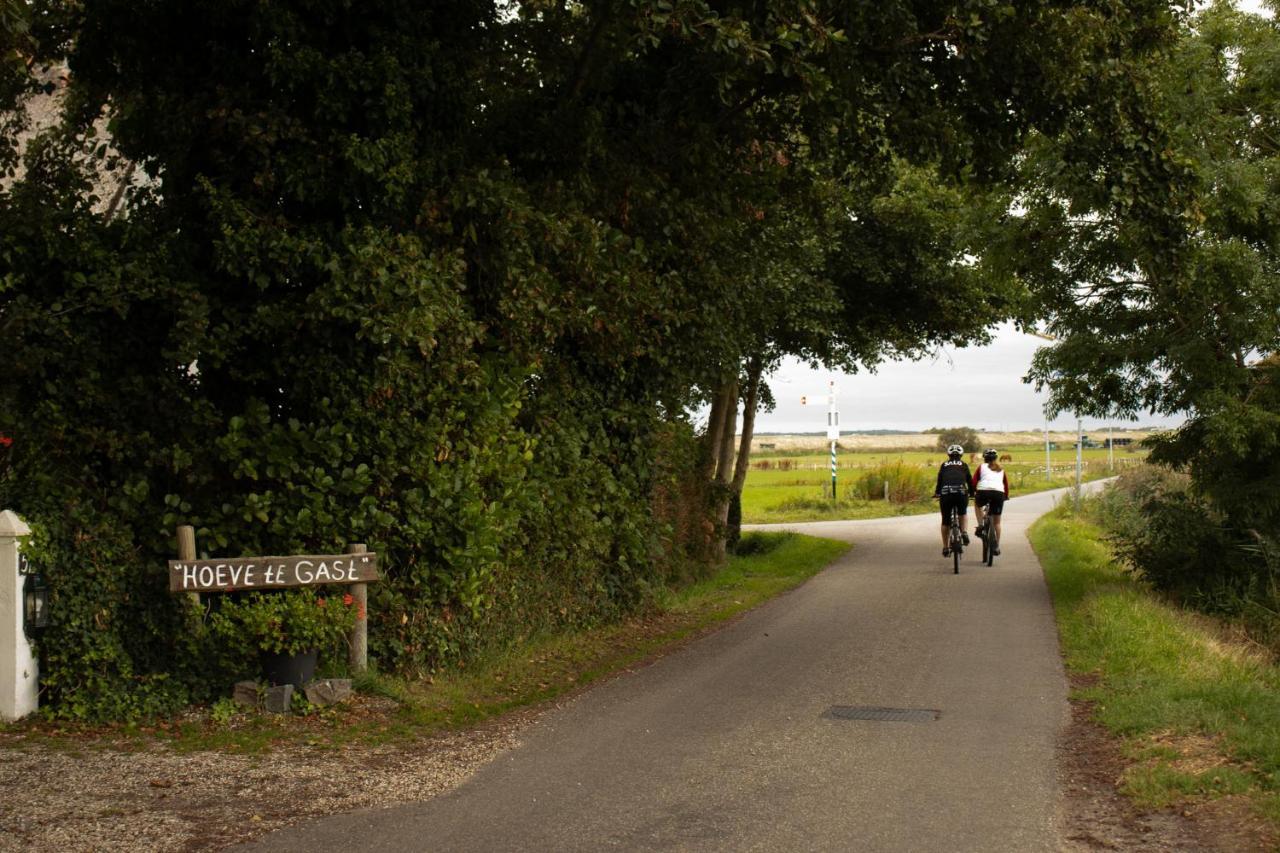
pixel 259 573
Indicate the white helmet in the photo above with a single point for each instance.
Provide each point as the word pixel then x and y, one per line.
pixel 955 450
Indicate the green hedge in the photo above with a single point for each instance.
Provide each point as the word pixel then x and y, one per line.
pixel 1168 532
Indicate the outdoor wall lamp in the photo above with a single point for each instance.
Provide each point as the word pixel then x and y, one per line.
pixel 35 598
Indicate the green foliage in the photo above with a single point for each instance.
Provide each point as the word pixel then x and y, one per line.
pixel 443 280
pixel 966 437
pixel 1177 539
pixel 284 622
pixel 1161 281
pixel 222 712
pixel 734 535
pixel 99 659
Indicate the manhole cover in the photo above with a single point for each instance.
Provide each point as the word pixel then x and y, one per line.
pixel 884 715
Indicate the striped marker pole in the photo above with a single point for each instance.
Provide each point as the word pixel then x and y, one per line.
pixel 833 429
pixel 833 433
pixel 833 470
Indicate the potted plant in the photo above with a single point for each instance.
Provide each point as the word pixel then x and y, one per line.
pixel 288 628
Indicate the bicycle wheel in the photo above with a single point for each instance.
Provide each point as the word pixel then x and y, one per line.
pixel 957 544
pixel 985 535
pixel 992 542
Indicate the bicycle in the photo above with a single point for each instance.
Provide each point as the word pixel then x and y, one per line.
pixel 955 539
pixel 990 539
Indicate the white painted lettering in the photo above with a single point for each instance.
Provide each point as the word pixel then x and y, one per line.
pixel 188 575
pixel 303 571
pixel 206 576
pixel 322 574
pixel 248 575
pixel 220 572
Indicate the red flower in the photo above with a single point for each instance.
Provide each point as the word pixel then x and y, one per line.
pixel 319 602
pixel 347 599
pixel 5 441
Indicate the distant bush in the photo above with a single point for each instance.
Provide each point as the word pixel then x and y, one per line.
pixel 966 437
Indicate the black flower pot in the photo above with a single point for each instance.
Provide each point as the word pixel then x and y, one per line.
pixel 289 669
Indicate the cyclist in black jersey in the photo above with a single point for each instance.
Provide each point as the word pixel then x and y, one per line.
pixel 954 487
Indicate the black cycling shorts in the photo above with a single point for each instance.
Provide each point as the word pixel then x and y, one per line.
pixel 960 500
pixel 992 500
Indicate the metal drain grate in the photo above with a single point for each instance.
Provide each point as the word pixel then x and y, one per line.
pixel 884 715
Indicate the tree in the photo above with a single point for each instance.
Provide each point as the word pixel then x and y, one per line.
pixel 966 437
pixel 444 278
pixel 1159 273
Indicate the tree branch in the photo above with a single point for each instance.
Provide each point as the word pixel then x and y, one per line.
pixel 579 78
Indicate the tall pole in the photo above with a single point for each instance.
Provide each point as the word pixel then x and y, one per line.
pixel 1079 456
pixel 833 471
pixel 1047 475
pixel 358 641
pixel 833 432
pixel 187 551
pixel 1111 449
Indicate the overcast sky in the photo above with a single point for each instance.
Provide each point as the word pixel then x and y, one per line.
pixel 976 387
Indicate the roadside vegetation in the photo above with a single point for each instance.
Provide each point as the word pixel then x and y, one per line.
pixel 535 670
pixel 797 487
pixel 1193 698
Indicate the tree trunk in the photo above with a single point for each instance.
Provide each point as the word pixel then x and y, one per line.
pixel 711 446
pixel 729 397
pixel 754 369
pixel 728 427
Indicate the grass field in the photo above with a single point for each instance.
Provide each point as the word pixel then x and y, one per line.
pixel 1196 704
pixel 787 486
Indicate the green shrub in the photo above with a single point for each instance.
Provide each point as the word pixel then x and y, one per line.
pixel 1176 539
pixel 734 523
pixel 907 483
pixel 286 622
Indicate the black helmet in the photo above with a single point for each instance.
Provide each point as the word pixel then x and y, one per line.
pixel 954 451
pixel 988 455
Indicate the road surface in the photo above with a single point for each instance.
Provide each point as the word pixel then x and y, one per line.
pixel 731 742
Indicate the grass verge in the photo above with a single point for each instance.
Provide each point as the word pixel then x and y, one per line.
pixel 1198 711
pixel 389 709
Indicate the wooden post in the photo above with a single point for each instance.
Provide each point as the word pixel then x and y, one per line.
pixel 358 648
pixel 187 551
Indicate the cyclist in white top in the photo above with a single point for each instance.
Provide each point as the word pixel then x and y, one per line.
pixel 991 487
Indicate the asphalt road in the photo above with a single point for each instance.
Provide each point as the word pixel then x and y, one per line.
pixel 728 744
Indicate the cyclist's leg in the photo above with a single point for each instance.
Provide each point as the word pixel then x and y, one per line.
pixel 950 503
pixel 997 514
pixel 963 503
pixel 946 525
